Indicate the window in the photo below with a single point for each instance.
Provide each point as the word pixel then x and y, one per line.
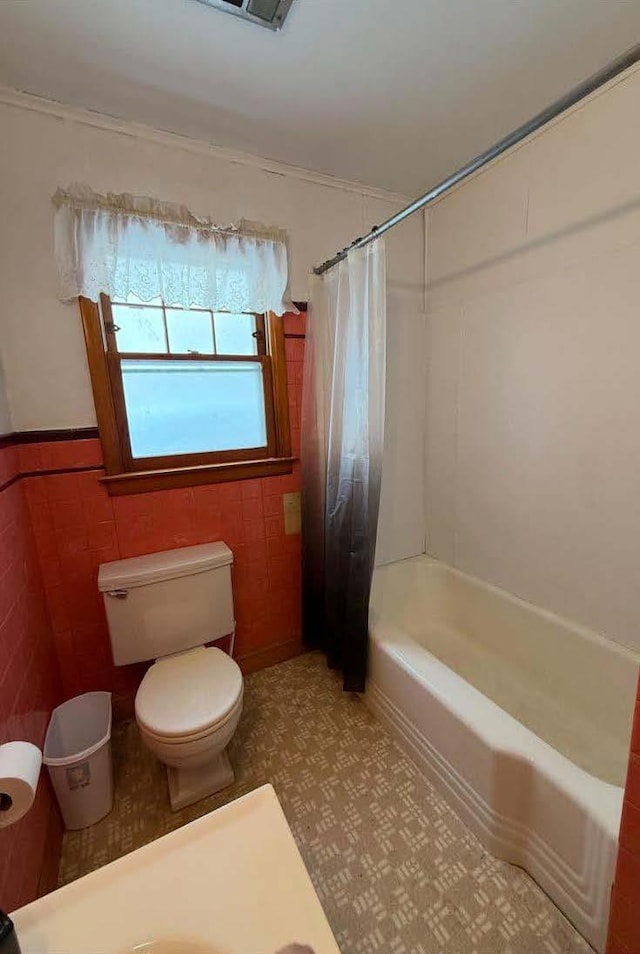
pixel 186 396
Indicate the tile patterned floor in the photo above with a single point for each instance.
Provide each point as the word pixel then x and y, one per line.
pixel 397 872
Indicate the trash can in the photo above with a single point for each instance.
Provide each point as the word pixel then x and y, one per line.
pixel 77 753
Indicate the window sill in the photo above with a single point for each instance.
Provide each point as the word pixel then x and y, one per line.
pixel 144 481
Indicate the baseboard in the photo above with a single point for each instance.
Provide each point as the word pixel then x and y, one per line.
pixel 263 658
pixel 123 707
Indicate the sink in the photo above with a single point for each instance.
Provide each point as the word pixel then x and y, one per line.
pixel 232 882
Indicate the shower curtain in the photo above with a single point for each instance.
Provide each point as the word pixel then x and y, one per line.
pixel 342 441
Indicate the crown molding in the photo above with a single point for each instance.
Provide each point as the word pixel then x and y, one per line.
pixel 85 117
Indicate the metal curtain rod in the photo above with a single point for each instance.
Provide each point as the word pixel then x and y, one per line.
pixel 574 96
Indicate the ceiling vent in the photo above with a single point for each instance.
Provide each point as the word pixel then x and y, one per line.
pixel 266 13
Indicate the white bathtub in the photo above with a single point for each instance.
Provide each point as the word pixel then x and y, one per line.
pixel 521 719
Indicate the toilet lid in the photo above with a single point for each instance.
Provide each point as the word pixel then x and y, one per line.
pixel 185 694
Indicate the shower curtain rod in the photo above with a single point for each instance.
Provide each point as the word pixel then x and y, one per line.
pixel 574 96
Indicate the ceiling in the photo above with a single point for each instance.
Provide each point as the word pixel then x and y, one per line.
pixel 349 87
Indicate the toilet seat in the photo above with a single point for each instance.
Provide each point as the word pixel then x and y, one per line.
pixel 177 740
pixel 186 697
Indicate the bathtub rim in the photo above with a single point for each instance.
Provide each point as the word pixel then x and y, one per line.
pixel 605 642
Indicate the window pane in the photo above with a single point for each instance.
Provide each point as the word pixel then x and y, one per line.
pixel 190 331
pixel 189 407
pixel 139 328
pixel 234 334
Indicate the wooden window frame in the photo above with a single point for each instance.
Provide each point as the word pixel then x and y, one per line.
pixel 128 475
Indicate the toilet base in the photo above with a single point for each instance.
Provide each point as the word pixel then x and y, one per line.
pixel 187 786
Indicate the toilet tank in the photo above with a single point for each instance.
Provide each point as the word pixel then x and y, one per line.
pixel 167 602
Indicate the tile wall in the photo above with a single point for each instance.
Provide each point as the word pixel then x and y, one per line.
pixel 624 923
pixel 57 525
pixel 78 526
pixel 29 689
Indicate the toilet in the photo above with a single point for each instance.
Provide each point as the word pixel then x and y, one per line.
pixel 166 606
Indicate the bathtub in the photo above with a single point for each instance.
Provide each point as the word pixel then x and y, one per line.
pixel 520 718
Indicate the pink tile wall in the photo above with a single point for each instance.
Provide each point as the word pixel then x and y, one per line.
pixel 29 689
pixel 57 524
pixel 78 526
pixel 624 923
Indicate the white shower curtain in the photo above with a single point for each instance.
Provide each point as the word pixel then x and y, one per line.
pixel 342 444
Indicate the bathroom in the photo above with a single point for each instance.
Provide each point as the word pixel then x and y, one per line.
pixel 431 812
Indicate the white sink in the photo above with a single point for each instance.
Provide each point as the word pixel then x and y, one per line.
pixel 232 882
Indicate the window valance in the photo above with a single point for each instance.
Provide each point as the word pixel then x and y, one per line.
pixel 122 245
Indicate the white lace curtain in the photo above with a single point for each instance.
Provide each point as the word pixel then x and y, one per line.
pixel 123 245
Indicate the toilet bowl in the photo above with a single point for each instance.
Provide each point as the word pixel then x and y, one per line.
pixel 187 708
pixel 167 606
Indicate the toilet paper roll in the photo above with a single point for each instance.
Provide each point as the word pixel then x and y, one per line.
pixel 19 771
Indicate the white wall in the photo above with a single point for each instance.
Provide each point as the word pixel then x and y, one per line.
pixel 45 145
pixel 401 528
pixel 533 395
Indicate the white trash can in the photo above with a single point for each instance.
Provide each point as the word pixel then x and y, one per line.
pixel 77 752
